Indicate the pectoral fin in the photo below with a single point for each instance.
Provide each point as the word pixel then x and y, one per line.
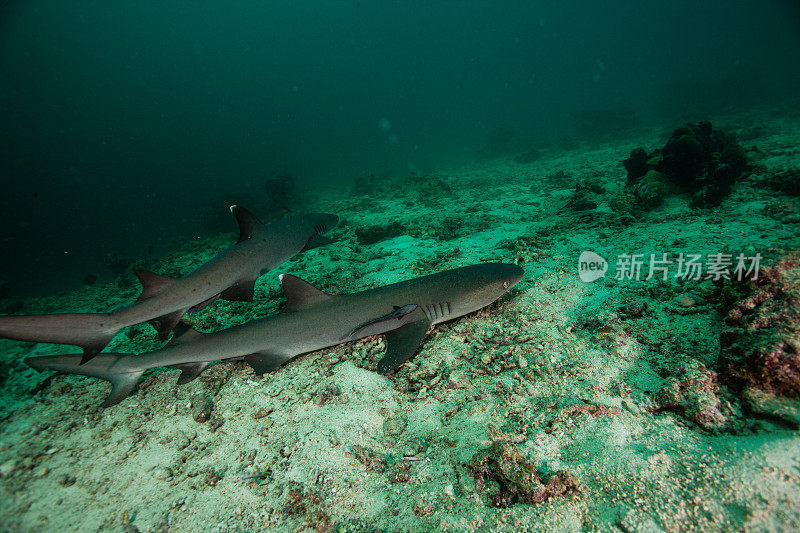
pixel 264 362
pixel 241 291
pixel 397 318
pixel 202 305
pixel 183 333
pixel 403 342
pixel 316 241
pixel 164 324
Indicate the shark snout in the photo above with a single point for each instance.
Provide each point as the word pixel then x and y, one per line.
pixel 515 273
pixel 506 274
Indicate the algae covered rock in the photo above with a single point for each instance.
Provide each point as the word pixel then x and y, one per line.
pixel 519 481
pixel 697 159
pixel 785 180
pixel 695 396
pixel 764 403
pixel 585 197
pixel 651 189
pixel 761 339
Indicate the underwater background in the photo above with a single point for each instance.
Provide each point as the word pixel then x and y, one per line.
pixel 127 125
pixel 571 138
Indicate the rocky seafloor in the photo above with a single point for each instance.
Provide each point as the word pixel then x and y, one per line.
pixel 620 404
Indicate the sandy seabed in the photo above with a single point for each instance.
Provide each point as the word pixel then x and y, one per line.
pixel 564 406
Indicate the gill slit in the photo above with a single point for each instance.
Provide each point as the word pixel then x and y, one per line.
pixel 437 310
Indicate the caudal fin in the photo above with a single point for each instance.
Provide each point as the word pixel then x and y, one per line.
pixel 90 331
pixel 104 366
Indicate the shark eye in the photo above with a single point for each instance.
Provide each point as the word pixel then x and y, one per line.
pixel 505 284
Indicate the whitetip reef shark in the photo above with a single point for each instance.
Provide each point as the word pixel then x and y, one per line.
pixel 230 275
pixel 310 321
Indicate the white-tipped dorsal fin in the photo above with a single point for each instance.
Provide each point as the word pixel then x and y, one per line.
pixel 301 294
pixel 248 222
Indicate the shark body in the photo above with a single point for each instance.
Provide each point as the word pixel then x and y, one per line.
pixel 230 275
pixel 312 320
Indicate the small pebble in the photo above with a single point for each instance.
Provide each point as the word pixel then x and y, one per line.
pixel 182 441
pixel 395 425
pixel 410 451
pixel 262 413
pixel 8 468
pixel 458 379
pixel 162 473
pixel 201 408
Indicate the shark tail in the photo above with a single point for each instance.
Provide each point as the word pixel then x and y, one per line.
pixel 102 366
pixel 90 331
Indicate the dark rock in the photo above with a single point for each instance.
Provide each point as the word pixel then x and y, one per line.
pixel 373 234
pixel 201 406
pixel 585 197
pixel 786 181
pixel 697 159
pixel 636 165
pixel 14 306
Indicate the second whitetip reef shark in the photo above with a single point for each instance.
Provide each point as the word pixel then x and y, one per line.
pixel 311 320
pixel 230 275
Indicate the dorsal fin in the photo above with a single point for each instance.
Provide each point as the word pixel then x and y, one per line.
pixel 152 283
pixel 183 333
pixel 301 294
pixel 248 222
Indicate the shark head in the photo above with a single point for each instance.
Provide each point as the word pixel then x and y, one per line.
pixel 320 223
pixel 482 284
